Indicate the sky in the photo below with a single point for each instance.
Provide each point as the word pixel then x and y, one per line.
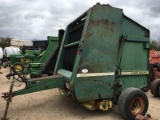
pixel 37 19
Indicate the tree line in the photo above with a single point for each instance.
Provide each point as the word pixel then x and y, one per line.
pixel 155 44
pixel 5 42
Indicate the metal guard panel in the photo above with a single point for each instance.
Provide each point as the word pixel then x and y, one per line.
pixel 134 31
pixel 99 53
pixel 92 88
pixel 99 50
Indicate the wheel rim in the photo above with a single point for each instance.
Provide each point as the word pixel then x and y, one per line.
pixel 137 105
pixel 18 68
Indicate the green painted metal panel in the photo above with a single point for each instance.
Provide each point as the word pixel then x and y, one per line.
pixel 99 52
pixel 135 54
pixel 135 57
pixel 133 29
pixel 19 57
pixel 92 88
pixel 66 74
pixel 32 52
pixel 53 42
pixel 138 81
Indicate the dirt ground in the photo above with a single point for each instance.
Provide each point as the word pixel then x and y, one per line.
pixel 51 105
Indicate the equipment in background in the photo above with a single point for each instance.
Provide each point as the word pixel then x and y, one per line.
pixel 18 42
pixel 42 64
pixel 7 52
pixel 155 72
pixel 11 51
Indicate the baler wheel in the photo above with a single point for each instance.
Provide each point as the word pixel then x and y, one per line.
pixel 155 87
pixel 132 102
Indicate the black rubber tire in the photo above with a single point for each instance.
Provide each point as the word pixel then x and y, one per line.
pixel 155 86
pixel 125 101
pixel 14 67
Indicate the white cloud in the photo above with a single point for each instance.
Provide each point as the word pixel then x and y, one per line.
pixel 30 19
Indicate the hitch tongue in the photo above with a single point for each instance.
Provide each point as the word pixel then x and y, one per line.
pixel 8 98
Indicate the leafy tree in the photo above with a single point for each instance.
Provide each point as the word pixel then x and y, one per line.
pixel 5 42
pixel 153 45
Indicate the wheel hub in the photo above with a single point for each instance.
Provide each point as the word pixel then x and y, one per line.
pixel 137 106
